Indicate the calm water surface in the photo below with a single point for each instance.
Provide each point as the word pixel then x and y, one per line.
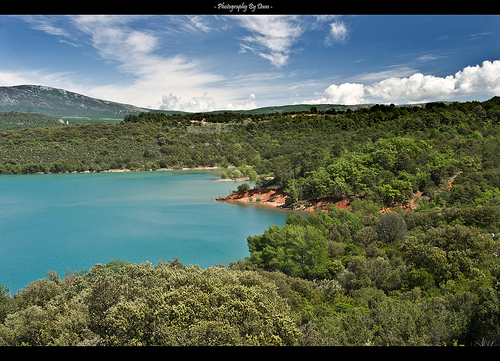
pixel 70 222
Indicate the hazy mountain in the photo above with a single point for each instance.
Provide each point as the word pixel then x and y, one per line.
pixel 61 103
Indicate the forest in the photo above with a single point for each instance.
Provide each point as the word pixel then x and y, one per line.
pixel 424 273
pixel 20 120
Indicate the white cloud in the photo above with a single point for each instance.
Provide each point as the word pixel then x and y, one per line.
pixel 416 88
pixel 202 103
pixel 37 77
pixel 485 78
pixel 472 81
pixel 346 93
pixel 338 32
pixel 170 102
pixel 48 25
pixel 272 36
pixel 151 74
pixel 243 105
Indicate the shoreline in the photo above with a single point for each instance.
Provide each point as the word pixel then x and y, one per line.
pixel 278 199
pixel 150 170
pixel 123 170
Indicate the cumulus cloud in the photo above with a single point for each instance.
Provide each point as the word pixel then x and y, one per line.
pixel 472 81
pixel 272 37
pixel 200 104
pixel 347 93
pixel 485 78
pixel 416 88
pixel 243 105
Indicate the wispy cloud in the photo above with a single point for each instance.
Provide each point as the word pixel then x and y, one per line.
pixel 138 52
pixel 271 37
pixel 49 25
pixel 199 23
pixel 338 33
pixel 395 71
pixel 135 51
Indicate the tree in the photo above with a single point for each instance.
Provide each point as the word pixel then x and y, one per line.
pixel 243 187
pixel 298 249
pixel 451 252
pixel 391 228
pixel 304 253
pixel 7 303
pixel 264 248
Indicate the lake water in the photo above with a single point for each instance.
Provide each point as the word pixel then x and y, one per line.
pixel 70 222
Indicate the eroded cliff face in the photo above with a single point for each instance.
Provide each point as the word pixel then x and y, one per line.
pixel 277 198
pixel 263 196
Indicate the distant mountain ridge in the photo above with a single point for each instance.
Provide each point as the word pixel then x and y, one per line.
pixel 62 103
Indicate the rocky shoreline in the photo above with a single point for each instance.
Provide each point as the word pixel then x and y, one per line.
pixel 278 199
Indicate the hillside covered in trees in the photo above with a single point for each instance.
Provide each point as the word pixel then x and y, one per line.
pixel 422 275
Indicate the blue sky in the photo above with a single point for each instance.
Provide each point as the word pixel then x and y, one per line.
pixel 228 61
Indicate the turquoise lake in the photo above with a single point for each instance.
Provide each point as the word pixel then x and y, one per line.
pixel 70 222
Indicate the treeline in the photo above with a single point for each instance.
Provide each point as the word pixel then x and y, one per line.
pixel 97 147
pixel 386 154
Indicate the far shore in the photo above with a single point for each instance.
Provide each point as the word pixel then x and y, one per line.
pixel 123 170
pixel 152 170
pixel 240 179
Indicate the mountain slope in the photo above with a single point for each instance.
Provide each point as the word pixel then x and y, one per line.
pixel 61 103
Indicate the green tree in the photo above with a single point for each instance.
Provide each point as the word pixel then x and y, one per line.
pixel 7 303
pixel 451 252
pixel 391 228
pixel 243 187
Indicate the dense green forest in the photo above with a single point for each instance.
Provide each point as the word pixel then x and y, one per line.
pixel 425 275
